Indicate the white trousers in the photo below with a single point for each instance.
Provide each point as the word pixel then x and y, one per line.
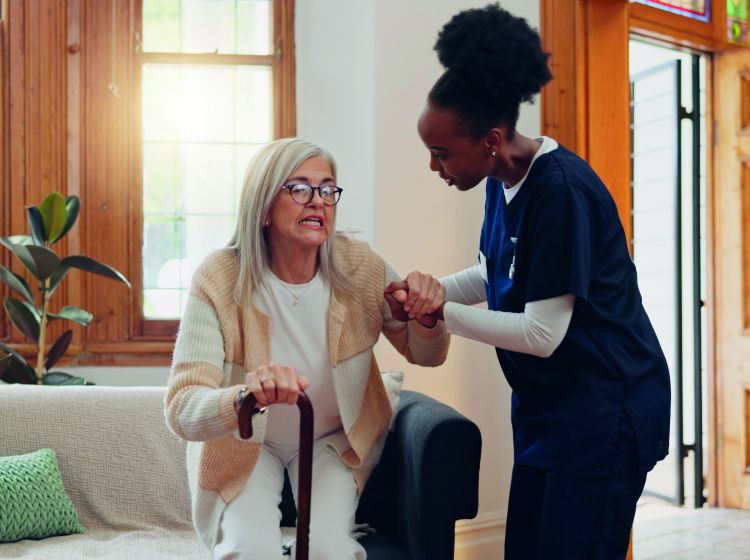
pixel 249 528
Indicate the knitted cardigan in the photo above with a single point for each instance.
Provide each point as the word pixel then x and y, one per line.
pixel 219 341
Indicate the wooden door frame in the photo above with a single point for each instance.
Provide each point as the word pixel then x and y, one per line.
pixel 586 108
pixel 731 73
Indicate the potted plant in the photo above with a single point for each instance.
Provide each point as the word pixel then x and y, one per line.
pixel 48 223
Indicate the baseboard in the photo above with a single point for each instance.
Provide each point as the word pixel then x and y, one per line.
pixel 481 538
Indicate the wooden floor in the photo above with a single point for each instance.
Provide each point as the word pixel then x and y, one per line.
pixel 663 531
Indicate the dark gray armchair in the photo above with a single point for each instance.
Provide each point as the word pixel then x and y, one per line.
pixel 427 478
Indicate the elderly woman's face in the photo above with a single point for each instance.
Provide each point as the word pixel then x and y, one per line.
pixel 311 223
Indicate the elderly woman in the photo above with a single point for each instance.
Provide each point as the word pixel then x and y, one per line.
pixel 288 306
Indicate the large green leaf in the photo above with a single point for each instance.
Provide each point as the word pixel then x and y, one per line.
pixel 75 314
pixel 62 378
pixel 36 225
pixel 58 349
pixel 19 371
pixel 16 283
pixel 8 242
pixel 34 310
pixel 24 316
pixel 54 215
pixel 12 352
pixel 55 279
pixel 72 207
pixel 40 261
pixel 88 264
pixel 75 381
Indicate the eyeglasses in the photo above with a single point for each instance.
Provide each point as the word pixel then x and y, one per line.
pixel 303 194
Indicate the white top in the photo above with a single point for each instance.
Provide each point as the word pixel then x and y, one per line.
pixel 299 337
pixel 547 145
pixel 539 330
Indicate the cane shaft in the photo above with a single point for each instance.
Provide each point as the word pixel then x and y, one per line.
pixel 304 489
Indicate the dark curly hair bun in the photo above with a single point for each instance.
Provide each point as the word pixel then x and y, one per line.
pixel 492 58
pixel 495 51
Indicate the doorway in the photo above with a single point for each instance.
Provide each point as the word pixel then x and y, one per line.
pixel 668 225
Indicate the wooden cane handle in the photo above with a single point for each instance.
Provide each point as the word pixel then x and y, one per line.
pixel 245 416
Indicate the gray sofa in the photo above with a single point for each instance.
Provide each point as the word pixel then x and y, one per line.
pixel 125 473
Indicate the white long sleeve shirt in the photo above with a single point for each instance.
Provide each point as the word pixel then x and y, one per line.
pixel 539 330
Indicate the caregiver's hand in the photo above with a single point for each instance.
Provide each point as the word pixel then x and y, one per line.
pixel 420 296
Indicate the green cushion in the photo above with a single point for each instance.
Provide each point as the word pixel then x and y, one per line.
pixel 33 502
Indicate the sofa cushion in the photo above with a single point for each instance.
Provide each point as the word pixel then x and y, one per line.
pixel 33 502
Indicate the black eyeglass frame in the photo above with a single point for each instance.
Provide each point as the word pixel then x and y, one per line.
pixel 336 193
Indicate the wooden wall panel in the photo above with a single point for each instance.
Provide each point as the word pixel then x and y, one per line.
pixel 35 161
pixel 4 145
pixel 17 96
pixel 46 98
pixel 16 123
pixel 107 173
pixel 73 246
pixel 46 116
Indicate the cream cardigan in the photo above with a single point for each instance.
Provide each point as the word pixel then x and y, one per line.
pixel 219 341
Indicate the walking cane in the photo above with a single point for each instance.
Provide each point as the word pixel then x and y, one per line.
pixel 305 462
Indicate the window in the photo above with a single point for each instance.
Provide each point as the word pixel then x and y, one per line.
pixel 148 110
pixel 207 105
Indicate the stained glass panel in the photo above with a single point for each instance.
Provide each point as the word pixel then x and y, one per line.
pixel 695 9
pixel 737 22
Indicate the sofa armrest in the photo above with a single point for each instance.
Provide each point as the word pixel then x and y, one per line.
pixel 437 457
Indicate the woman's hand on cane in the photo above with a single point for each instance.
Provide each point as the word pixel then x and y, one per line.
pixel 275 383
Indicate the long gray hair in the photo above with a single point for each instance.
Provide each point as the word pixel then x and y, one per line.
pixel 268 169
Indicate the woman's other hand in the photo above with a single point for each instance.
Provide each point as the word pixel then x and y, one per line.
pixel 396 294
pixel 275 383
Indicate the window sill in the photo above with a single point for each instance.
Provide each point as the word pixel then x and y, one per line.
pixel 133 354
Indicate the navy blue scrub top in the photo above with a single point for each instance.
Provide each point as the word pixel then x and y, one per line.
pixel 561 234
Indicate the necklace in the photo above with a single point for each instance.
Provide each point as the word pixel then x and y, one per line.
pixel 296 295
